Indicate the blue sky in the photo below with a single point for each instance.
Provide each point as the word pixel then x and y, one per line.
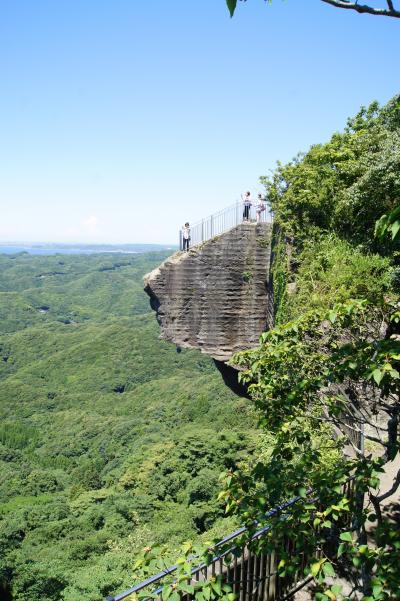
pixel 120 120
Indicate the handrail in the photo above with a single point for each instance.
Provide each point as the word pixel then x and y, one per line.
pixel 223 221
pixel 157 577
pixel 227 539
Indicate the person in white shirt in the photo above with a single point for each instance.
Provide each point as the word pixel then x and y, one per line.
pixel 186 236
pixel 260 207
pixel 246 199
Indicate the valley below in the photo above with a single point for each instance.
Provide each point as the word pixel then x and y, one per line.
pixel 110 440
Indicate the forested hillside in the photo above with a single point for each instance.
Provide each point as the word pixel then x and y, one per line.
pixel 109 439
pixel 332 364
pixel 326 204
pixel 325 381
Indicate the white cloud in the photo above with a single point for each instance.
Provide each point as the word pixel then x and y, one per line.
pixel 87 229
pixel 91 222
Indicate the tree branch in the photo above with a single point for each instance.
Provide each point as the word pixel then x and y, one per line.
pixel 364 8
pixel 377 507
pixel 396 484
pixel 392 436
pixel 338 423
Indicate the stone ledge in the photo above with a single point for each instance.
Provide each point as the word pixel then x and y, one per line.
pixel 217 297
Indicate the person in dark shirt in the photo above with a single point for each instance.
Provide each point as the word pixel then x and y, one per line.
pixel 186 236
pixel 246 199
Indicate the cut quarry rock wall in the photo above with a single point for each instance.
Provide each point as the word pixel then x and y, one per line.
pixel 217 297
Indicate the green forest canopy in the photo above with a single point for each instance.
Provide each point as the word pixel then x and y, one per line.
pixel 333 360
pixel 109 439
pixel 333 357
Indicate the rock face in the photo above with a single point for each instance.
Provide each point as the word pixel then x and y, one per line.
pixel 217 297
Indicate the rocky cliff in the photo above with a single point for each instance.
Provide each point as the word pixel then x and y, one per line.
pixel 217 297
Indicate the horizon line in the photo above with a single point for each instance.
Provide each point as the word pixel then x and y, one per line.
pixel 48 243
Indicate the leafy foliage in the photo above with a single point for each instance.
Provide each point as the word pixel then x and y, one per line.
pixel 327 368
pixel 342 186
pixel 329 371
pixel 326 203
pixel 109 439
pixel 335 363
pixel 389 224
pixel 331 270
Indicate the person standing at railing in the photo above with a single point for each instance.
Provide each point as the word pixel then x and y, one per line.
pixel 246 199
pixel 260 207
pixel 186 236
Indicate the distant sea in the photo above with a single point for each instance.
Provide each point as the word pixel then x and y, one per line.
pixel 78 249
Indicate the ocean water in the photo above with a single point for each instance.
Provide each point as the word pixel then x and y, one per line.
pixel 67 249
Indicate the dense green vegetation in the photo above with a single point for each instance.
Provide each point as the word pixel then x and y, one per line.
pixel 333 359
pixel 109 439
pixel 328 371
pixel 326 203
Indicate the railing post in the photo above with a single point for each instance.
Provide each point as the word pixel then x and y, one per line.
pixel 214 225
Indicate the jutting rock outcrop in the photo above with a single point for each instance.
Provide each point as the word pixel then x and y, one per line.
pixel 217 297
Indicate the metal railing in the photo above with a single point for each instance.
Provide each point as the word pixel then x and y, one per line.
pixel 223 221
pixel 253 575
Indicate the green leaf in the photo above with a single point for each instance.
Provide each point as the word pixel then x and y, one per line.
pixel 216 586
pixel 346 536
pixel 336 588
pixel 356 561
pixel 316 567
pixel 167 591
pixel 377 375
pixel 231 4
pixel 332 316
pixel 187 546
pixel 395 227
pixel 328 570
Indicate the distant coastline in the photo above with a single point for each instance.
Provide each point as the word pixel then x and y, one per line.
pixel 12 248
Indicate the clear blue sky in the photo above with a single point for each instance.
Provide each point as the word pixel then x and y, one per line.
pixel 121 119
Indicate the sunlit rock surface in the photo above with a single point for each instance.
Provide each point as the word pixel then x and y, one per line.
pixel 217 297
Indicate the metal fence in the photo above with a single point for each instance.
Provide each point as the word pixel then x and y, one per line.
pixel 253 575
pixel 221 222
